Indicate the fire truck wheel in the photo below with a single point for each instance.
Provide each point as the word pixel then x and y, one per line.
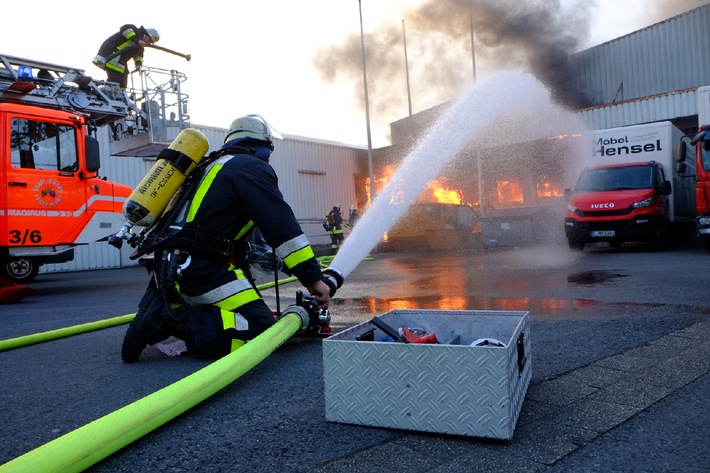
pixel 22 270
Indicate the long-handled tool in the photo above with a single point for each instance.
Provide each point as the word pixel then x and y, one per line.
pixel 176 53
pixel 154 46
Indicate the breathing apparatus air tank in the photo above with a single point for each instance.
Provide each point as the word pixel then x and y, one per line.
pixel 153 193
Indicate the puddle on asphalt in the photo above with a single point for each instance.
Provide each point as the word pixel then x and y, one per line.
pixel 376 305
pixel 593 277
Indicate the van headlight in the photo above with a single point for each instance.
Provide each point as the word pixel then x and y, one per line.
pixel 643 203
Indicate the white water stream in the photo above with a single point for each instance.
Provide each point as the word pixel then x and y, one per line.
pixel 464 120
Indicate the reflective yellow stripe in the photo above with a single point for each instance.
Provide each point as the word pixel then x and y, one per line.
pixel 125 44
pixel 295 251
pixel 237 300
pixel 201 191
pixel 245 229
pixel 115 67
pixel 229 296
pixel 220 292
pixel 129 33
pixel 228 320
pixel 304 254
pixel 291 246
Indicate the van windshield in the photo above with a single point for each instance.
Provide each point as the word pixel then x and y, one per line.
pixel 616 178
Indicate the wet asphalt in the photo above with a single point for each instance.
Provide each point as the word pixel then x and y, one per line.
pixel 620 369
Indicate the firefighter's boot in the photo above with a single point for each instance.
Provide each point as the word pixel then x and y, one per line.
pixel 150 326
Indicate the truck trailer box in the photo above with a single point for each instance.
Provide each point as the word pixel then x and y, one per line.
pixel 633 189
pixel 472 382
pixel 642 143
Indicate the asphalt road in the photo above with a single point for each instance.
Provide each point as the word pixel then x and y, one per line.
pixel 635 321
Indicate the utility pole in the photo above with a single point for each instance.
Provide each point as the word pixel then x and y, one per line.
pixel 367 107
pixel 473 49
pixel 406 68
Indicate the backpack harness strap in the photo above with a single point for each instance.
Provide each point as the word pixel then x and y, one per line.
pixel 177 158
pixel 198 240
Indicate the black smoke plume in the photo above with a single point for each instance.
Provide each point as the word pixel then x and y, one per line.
pixel 534 35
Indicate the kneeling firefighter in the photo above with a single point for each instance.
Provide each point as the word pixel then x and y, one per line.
pixel 202 290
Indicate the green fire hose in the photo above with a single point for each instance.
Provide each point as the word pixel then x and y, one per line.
pixel 50 335
pixel 85 446
pixel 18 342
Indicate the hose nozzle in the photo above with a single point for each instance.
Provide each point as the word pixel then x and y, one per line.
pixel 124 234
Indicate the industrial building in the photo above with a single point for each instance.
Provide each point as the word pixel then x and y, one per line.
pixel 652 74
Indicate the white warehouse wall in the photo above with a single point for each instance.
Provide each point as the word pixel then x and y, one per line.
pixel 313 174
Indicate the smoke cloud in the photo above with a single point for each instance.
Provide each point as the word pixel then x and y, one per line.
pixel 536 36
pixel 664 9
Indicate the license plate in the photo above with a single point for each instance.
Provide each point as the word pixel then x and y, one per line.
pixel 603 233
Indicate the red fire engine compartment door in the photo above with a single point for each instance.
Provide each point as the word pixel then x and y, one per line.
pixel 46 196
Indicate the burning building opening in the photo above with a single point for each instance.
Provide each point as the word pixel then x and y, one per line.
pixel 513 191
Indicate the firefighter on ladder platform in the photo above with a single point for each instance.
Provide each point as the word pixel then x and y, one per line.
pixel 121 47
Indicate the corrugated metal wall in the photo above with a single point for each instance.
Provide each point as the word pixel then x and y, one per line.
pixel 651 109
pixel 313 175
pixel 665 57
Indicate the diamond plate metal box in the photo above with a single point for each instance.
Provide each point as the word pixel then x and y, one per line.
pixel 451 387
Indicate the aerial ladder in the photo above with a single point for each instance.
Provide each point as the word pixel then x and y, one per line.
pixel 143 119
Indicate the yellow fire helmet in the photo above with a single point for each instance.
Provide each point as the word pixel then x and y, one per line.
pixel 252 126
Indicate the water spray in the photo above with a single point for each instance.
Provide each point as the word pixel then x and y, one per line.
pixel 470 116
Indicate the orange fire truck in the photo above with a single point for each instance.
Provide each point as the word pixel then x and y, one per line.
pixel 51 195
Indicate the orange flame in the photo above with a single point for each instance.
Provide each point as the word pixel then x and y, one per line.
pixel 387 173
pixel 509 191
pixel 443 194
pixel 435 191
pixel 548 188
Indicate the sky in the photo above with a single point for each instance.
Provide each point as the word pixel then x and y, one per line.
pixel 299 64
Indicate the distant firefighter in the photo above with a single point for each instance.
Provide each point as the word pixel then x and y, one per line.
pixel 334 224
pixel 354 216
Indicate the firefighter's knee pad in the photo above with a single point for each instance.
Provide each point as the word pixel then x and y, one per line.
pixel 207 333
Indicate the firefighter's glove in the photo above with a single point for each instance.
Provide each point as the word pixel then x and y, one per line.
pixel 327 228
pixel 333 279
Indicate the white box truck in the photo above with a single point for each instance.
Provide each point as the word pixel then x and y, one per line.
pixel 631 191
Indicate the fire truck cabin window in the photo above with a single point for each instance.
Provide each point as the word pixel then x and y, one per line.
pixel 42 145
pixel 706 154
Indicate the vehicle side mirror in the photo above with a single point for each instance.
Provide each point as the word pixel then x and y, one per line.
pixel 698 137
pixel 93 160
pixel 666 188
pixel 680 168
pixel 682 150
